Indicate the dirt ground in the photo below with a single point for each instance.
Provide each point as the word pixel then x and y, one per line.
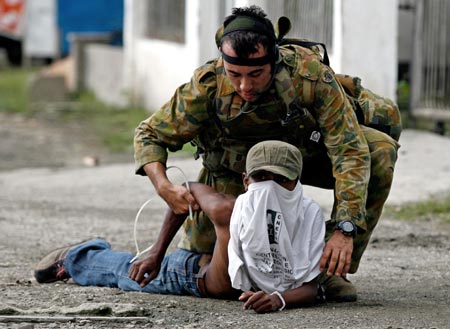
pixel 49 199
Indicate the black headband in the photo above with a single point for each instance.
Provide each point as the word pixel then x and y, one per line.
pixel 248 24
pixel 259 61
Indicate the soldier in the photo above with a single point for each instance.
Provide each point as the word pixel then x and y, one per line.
pixel 257 91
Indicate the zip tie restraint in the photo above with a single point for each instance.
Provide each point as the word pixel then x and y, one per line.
pixel 138 252
pixel 280 296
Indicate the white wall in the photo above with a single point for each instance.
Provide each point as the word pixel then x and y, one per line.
pixel 212 14
pixel 155 68
pixel 406 35
pixel 40 30
pixel 365 45
pixel 103 73
pixel 368 44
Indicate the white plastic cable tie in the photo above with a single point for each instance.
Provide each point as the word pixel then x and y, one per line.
pixel 191 215
pixel 136 219
pixel 283 302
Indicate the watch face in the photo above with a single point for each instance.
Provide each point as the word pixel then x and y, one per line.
pixel 347 227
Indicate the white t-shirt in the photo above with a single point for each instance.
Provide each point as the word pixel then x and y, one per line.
pixel 276 238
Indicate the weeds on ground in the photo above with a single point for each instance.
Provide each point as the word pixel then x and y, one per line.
pixel 114 126
pixel 432 209
pixel 13 90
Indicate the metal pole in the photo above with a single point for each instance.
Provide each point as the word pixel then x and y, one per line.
pixel 416 62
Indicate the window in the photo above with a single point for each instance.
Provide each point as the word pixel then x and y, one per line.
pixel 166 20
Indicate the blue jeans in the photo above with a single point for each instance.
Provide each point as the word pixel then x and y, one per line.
pixel 93 263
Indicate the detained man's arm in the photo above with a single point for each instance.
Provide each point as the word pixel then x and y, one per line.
pixel 217 206
pixel 265 303
pixel 146 269
pixel 178 198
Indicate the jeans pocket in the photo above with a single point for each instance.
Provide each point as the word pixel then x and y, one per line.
pixel 182 270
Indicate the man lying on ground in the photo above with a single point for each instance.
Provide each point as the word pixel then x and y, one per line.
pixel 269 244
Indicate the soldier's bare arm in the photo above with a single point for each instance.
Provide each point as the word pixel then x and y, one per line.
pixel 177 197
pixel 217 206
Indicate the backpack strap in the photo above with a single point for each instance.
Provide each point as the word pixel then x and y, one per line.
pixel 290 69
pixel 307 44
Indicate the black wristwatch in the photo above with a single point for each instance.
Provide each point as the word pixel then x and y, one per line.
pixel 347 227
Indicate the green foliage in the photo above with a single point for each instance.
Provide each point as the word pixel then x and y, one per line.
pixel 13 90
pixel 432 209
pixel 113 125
pixel 403 95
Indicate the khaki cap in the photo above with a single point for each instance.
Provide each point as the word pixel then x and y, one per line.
pixel 276 157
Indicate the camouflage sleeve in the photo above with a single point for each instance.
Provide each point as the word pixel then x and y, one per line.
pixel 346 146
pixel 177 122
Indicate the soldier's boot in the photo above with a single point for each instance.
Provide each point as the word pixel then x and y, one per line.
pixel 338 289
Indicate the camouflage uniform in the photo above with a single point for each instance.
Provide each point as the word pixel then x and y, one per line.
pixel 208 112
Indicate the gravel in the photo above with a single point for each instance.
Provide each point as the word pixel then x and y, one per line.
pixel 49 198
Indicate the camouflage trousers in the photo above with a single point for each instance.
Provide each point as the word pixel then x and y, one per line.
pixel 199 234
pixel 383 155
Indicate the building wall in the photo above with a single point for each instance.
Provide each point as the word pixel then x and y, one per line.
pixel 42 41
pixel 155 68
pixel 364 44
pixel 86 16
pixel 405 34
pixel 367 45
pixel 364 41
pixel 103 73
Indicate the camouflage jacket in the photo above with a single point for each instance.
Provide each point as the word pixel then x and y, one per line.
pixel 208 112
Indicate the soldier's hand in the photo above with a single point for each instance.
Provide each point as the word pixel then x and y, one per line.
pixel 178 198
pixel 337 254
pixel 145 270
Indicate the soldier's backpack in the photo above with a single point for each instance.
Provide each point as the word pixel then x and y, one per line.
pixel 372 110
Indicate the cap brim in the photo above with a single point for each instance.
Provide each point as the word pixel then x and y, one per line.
pixel 290 174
